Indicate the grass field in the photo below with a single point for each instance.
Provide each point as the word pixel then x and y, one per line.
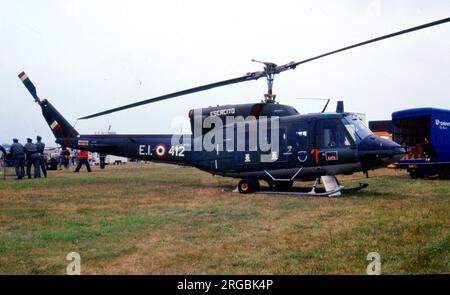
pixel 160 219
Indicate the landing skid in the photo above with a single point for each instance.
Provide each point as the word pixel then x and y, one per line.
pixel 294 192
pixel 331 188
pixel 310 191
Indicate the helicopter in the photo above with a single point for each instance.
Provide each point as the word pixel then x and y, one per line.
pixel 263 141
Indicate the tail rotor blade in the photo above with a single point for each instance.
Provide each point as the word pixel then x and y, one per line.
pixel 29 85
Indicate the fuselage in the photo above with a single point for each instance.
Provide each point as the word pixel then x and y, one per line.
pixel 308 146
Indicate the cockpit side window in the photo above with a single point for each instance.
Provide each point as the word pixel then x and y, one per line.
pixel 356 128
pixel 331 134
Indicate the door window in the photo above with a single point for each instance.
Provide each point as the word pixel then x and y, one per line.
pixel 331 134
pixel 301 136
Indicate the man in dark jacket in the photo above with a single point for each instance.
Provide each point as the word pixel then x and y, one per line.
pixel 32 158
pixel 64 158
pixel 428 150
pixel 40 149
pixel 102 160
pixel 18 154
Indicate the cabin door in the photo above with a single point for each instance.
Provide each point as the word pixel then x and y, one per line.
pixel 335 146
pixel 301 134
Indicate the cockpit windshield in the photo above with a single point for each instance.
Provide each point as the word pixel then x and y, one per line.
pixel 356 127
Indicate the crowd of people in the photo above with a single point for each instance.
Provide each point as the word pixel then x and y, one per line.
pixel 32 155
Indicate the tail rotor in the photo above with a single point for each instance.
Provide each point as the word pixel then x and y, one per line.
pixel 60 127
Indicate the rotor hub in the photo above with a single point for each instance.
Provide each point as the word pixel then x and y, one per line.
pixel 270 69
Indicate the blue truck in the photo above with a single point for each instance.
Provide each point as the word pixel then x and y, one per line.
pixel 426 134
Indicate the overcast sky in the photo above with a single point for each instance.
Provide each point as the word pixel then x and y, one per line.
pixel 87 56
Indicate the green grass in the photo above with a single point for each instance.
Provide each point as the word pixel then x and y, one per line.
pixel 160 219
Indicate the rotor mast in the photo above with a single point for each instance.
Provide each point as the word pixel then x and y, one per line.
pixel 269 71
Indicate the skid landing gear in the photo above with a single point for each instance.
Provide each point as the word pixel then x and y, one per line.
pixel 281 185
pixel 330 188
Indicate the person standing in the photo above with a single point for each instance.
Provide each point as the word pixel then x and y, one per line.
pixel 66 154
pixel 59 159
pixel 17 152
pixel 42 160
pixel 428 150
pixel 64 158
pixel 83 158
pixel 32 158
pixel 2 156
pixel 102 160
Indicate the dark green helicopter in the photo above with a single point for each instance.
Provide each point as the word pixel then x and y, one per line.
pixel 254 141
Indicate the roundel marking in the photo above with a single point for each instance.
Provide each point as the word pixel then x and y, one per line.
pixel 160 150
pixel 302 156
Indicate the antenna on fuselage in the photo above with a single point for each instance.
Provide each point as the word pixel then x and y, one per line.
pixel 318 98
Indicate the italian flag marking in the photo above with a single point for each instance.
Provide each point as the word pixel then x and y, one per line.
pixel 160 150
pixel 23 76
pixel 54 125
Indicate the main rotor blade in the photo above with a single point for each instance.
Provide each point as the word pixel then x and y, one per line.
pixel 257 75
pixel 248 77
pixel 292 65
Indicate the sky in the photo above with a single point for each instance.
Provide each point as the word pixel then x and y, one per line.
pixel 88 56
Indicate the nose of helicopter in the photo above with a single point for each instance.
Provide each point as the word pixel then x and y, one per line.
pixel 378 151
